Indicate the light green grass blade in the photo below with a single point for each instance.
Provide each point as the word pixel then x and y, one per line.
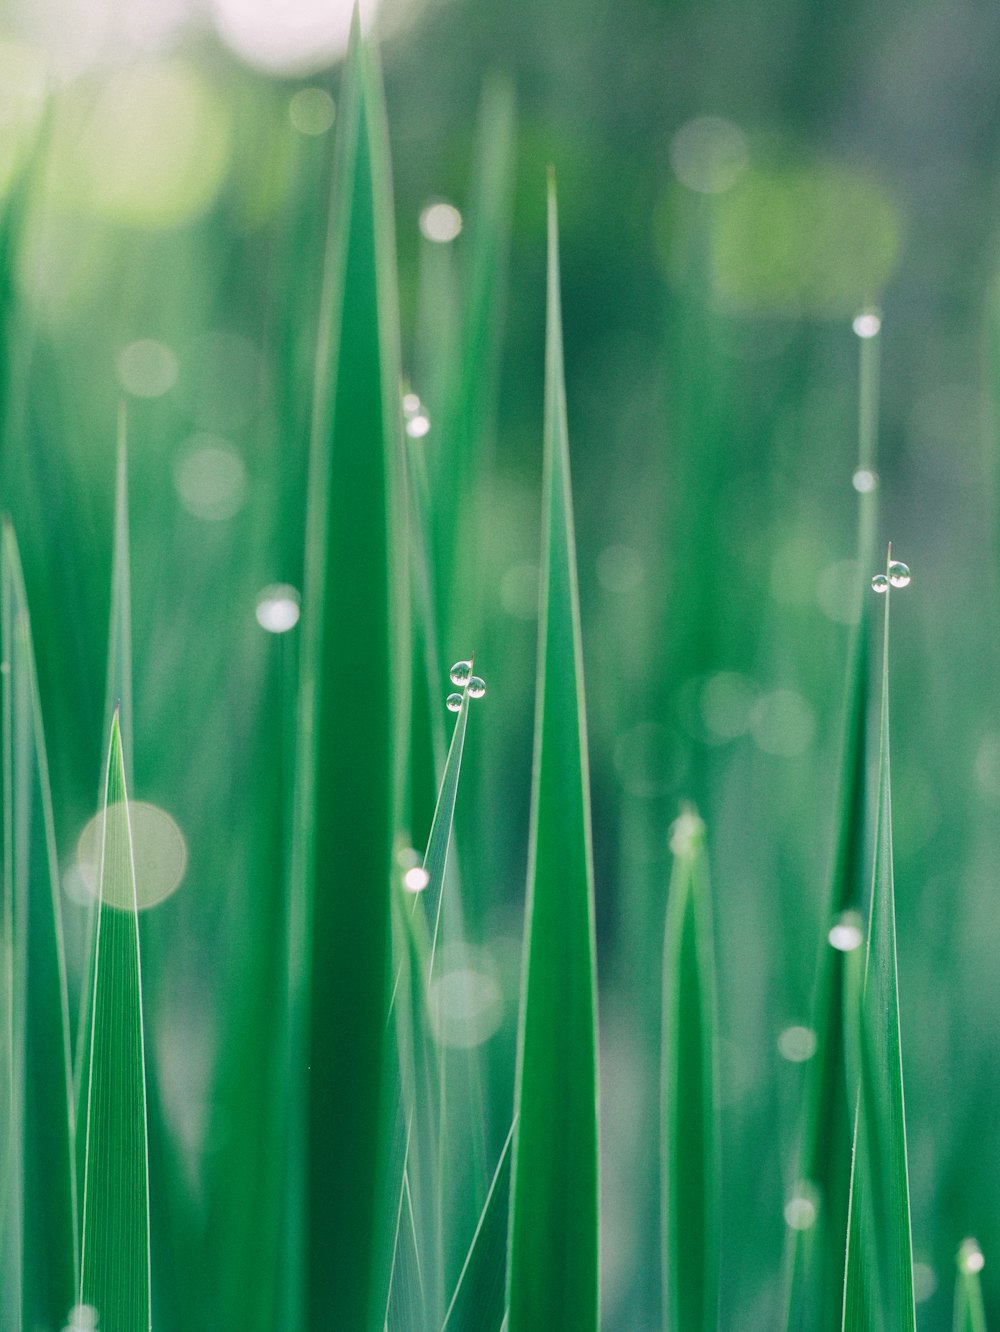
pixel 479 1302
pixel 878 1288
pixel 690 1090
pixel 970 1313
pixel 115 1260
pixel 38 1219
pixel 353 664
pixel 814 1289
pixel 461 461
pixel 553 1275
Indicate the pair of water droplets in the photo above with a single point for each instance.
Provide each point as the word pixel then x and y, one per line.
pixel 461 675
pixel 897 575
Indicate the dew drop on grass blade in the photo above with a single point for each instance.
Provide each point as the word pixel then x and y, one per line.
pixel 354 663
pixel 970 1312
pixel 690 1082
pixel 553 1261
pixel 878 1283
pixel 38 1217
pixel 814 1258
pixel 115 1257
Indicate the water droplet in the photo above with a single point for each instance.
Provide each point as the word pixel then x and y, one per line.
pixel 924 1282
pixel 864 481
pixel 899 574
pixel 461 673
pixel 477 687
pixel 970 1257
pixel 159 849
pixel 453 702
pixel 685 831
pixel 278 608
pixel 880 583
pixel 440 222
pixel 866 325
pixel 801 1210
pixel 846 933
pixel 82 1317
pixel 797 1044
pixel 411 403
pixel 418 426
pixel 311 110
pixel 416 879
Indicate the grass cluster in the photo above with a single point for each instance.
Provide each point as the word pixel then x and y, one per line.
pixel 294 704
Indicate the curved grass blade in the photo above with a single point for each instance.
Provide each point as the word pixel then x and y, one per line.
pixel 479 1301
pixel 970 1313
pixel 353 664
pixel 690 1090
pixel 553 1273
pixel 814 1259
pixel 115 1258
pixel 878 1283
pixel 38 1216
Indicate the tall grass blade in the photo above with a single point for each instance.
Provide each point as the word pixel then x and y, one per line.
pixel 352 668
pixel 115 1259
pixel 690 1090
pixel 815 1254
pixel 479 1301
pixel 970 1312
pixel 471 390
pixel 878 1287
pixel 553 1273
pixel 38 1217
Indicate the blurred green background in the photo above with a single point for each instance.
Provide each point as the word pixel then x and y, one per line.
pixel 736 183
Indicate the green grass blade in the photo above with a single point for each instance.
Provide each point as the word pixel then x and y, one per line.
pixel 115 1261
pixel 471 393
pixel 353 665
pixel 38 1217
pixel 970 1313
pixel 878 1288
pixel 479 1301
pixel 690 1095
pixel 814 1287
pixel 553 1274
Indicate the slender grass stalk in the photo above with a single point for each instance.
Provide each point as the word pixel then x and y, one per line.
pixel 353 663
pixel 690 1090
pixel 878 1283
pixel 814 1271
pixel 479 1303
pixel 970 1313
pixel 553 1261
pixel 39 1245
pixel 115 1256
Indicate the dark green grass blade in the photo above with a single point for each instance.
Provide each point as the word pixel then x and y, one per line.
pixel 690 1096
pixel 879 1272
pixel 553 1275
pixel 479 1301
pixel 38 1219
pixel 970 1313
pixel 815 1255
pixel 115 1262
pixel 353 665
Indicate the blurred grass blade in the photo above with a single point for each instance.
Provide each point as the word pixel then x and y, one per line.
pixel 439 842
pixel 553 1272
pixel 38 1217
pixel 353 666
pixel 115 1260
pixel 970 1313
pixel 878 1287
pixel 690 1083
pixel 468 411
pixel 479 1301
pixel 814 1267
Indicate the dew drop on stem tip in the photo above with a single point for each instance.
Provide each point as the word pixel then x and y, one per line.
pixel 461 673
pixel 453 702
